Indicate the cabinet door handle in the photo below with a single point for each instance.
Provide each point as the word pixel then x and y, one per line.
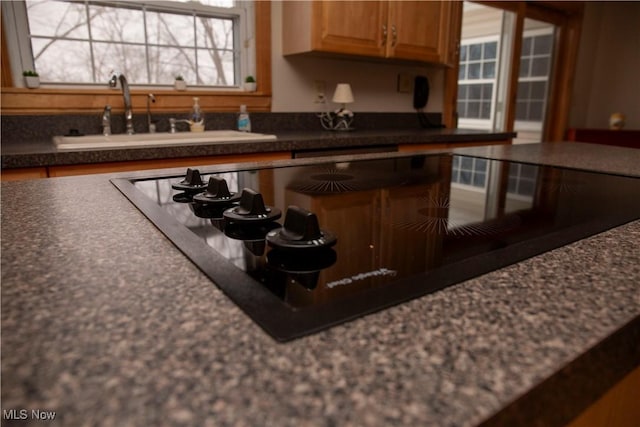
pixel 384 34
pixel 394 36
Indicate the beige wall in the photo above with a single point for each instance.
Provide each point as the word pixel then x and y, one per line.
pixel 608 72
pixel 374 84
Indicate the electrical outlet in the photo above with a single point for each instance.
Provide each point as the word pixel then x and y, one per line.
pixel 405 83
pixel 319 88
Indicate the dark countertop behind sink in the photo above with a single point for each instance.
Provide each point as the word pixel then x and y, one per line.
pixel 105 322
pixel 27 148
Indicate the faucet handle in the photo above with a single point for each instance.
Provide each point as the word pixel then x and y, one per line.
pixel 172 125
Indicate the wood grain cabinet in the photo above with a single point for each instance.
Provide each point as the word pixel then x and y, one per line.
pixel 408 30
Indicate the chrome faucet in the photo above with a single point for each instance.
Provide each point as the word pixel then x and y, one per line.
pixel 106 120
pixel 152 125
pixel 128 112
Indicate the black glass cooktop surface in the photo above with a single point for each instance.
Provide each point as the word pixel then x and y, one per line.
pixel 360 236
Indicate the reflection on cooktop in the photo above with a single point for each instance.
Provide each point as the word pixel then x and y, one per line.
pixel 404 227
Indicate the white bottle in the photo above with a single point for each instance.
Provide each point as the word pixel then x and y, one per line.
pixel 244 122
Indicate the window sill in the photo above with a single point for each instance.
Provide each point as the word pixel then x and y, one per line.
pixel 44 100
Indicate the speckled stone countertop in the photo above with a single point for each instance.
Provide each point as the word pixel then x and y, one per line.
pixel 106 323
pixel 44 153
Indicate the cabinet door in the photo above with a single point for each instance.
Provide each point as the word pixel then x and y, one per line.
pixel 418 30
pixel 350 27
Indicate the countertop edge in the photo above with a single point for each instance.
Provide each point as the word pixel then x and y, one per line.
pixel 44 153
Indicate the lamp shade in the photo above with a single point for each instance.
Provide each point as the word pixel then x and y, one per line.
pixel 343 94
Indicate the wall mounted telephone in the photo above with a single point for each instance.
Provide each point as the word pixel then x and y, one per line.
pixel 420 99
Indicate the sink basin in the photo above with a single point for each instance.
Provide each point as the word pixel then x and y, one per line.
pixel 101 142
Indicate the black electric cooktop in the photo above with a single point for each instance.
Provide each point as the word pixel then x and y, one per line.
pixel 302 248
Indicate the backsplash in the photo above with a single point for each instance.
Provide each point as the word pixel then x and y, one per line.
pixel 17 129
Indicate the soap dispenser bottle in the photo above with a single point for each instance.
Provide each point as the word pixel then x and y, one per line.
pixel 196 119
pixel 244 122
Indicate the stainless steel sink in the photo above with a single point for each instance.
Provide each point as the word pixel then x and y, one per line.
pixel 101 142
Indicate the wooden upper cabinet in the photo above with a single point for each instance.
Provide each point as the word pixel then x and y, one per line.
pixel 351 27
pixel 408 30
pixel 418 30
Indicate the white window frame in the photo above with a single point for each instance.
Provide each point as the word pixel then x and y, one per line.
pixel 527 125
pixel 16 25
pixel 482 123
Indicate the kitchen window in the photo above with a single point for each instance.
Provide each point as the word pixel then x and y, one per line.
pixel 476 79
pixel 81 42
pixel 535 67
pixel 469 171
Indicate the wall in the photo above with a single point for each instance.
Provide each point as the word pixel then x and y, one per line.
pixel 608 66
pixel 374 84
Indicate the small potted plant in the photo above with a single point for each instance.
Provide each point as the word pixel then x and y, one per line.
pixel 31 79
pixel 250 84
pixel 179 83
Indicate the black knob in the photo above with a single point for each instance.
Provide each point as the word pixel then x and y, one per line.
pixel 191 182
pixel 301 230
pixel 252 209
pixel 217 192
pixel 300 224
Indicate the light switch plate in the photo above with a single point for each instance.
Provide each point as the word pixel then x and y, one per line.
pixel 319 89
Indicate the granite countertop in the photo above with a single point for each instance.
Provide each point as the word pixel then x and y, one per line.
pixel 105 322
pixel 42 152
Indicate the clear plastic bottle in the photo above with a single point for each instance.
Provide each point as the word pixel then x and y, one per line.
pixel 244 122
pixel 196 117
pixel 196 111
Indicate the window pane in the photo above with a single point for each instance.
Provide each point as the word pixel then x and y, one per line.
pixel 490 50
pixel 466 163
pixel 462 112
pixel 110 56
pixel 170 29
pixel 215 67
pixel 215 33
pixel 462 72
pixel 538 90
pixel 465 177
pixel 479 179
pixel 539 66
pixel 542 45
pixel 473 109
pixel 489 70
pixel 113 24
pixel 473 71
pixel 462 92
pixel 526 46
pixel 64 61
pixel 463 53
pixel 475 91
pixel 169 62
pixel 513 185
pixel 535 111
pixel 485 110
pixel 524 67
pixel 53 18
pixel 475 52
pixel 487 90
pixel 521 110
pixel 523 90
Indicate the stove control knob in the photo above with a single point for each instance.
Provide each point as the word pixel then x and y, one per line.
pixel 192 182
pixel 252 209
pixel 301 230
pixel 217 193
